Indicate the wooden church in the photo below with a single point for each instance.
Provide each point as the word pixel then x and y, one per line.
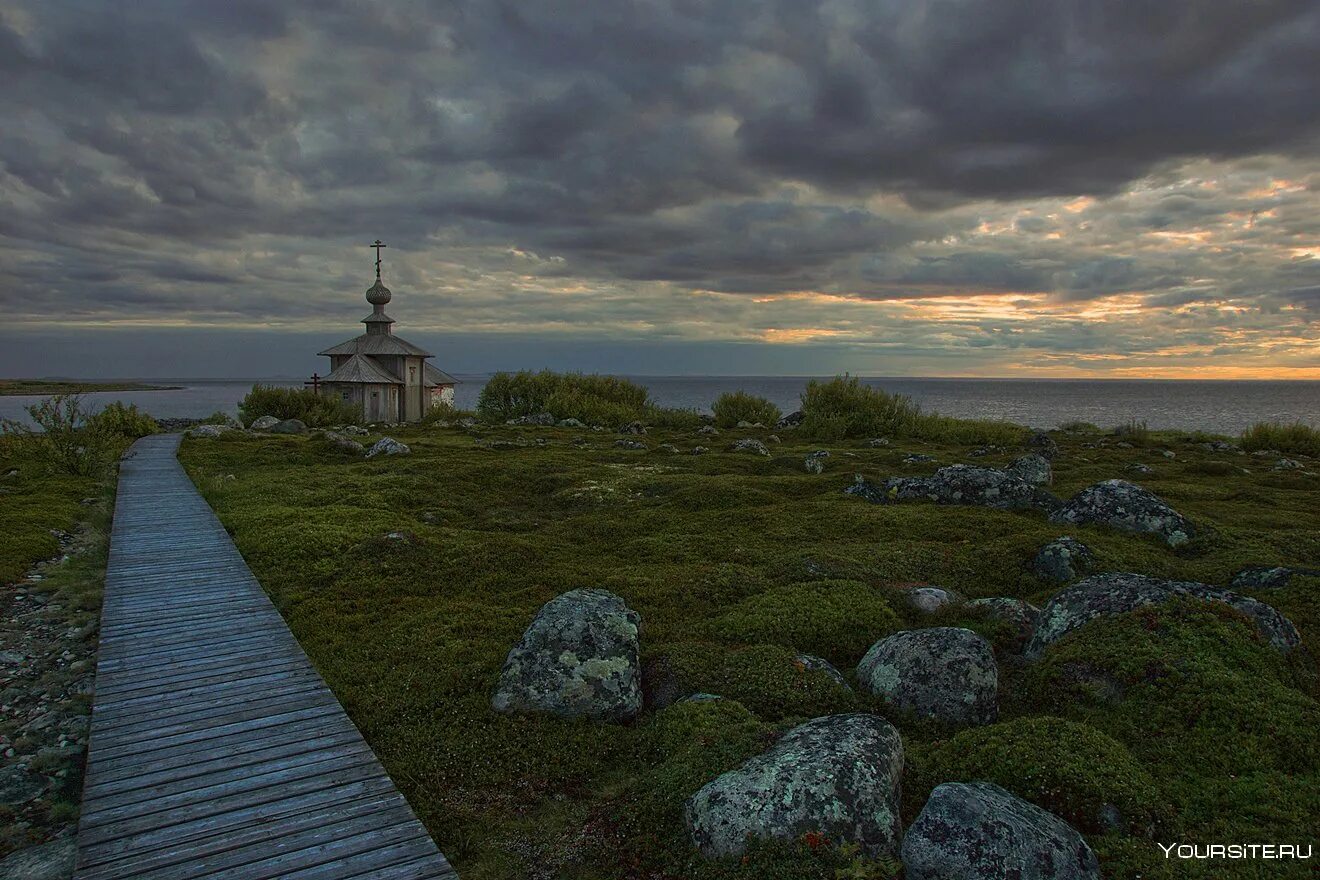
pixel 385 375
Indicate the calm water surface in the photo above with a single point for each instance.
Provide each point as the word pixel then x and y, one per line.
pixel 1221 406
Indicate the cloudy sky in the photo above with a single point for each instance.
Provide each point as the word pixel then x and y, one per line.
pixel 891 187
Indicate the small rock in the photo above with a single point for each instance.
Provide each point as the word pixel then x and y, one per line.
pixel 542 419
pixel 917 458
pixel 944 673
pixel 928 600
pixel 837 776
pixel 699 450
pixel 878 442
pixel 18 786
pixel 708 431
pixel 820 664
pixel 1127 507
pixel 815 462
pixel 209 432
pixel 1022 615
pixel 979 831
pixel 578 658
pixel 388 446
pixel 1138 468
pixel 744 425
pixel 667 448
pixel 773 438
pixel 632 428
pixel 1267 577
pixel 750 445
pixel 1044 444
pixel 264 423
pixel 1287 464
pixel 630 444
pixel 1062 560
pixel 1168 453
pixel 792 420
pixel 570 423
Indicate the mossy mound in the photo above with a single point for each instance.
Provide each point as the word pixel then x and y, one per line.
pixel 767 679
pixel 1189 685
pixel 838 620
pixel 1068 768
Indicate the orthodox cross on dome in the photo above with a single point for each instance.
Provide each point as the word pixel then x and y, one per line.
pixel 378 244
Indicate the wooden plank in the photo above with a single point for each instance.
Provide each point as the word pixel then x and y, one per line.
pixel 216 749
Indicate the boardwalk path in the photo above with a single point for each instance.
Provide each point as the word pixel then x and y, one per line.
pixel 216 749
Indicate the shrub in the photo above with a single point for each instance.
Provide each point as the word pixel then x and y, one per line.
pixel 673 418
pixel 594 399
pixel 71 439
pixel 1296 439
pixel 1066 767
pixel 444 412
pixel 767 679
pixel 844 407
pixel 837 620
pixel 314 410
pixel 733 407
pixel 1132 431
pixel 1080 427
pixel 125 421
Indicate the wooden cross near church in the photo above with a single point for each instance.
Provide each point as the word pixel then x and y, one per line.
pixel 378 244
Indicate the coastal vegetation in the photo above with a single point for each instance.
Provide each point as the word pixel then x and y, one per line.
pixel 63 386
pixel 68 436
pixel 734 407
pixel 312 409
pixel 1293 439
pixel 408 578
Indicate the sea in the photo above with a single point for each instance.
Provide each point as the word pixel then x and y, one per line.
pixel 1216 406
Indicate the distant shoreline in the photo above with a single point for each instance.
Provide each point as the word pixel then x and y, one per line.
pixel 20 387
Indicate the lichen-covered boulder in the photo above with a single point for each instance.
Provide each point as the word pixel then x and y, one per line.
pixel 1118 593
pixel 1062 560
pixel 815 463
pixel 263 423
pixel 945 673
pixel 928 600
pixel 1127 507
pixel 578 659
pixel 792 420
pixel 1022 615
pixel 960 484
pixel 288 426
pixel 632 428
pixel 388 446
pixel 1032 468
pixel 751 445
pixel 630 444
pixel 837 776
pixel 979 831
pixel 1267 577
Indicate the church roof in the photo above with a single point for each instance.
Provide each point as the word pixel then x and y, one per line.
pixel 375 344
pixel 436 376
pixel 361 369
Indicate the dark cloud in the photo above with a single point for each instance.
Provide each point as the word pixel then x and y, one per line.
pixel 685 170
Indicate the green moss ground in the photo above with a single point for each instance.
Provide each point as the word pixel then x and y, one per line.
pixel 735 562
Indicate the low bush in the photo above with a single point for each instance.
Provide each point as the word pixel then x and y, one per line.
pixel 597 400
pixel 1080 427
pixel 125 421
pixel 73 439
pixel 1066 767
pixel 733 407
pixel 837 620
pixel 672 418
pixel 444 412
pixel 1294 439
pixel 843 407
pixel 314 410
pixel 1132 431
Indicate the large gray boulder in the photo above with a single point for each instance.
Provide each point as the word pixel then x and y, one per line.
pixel 928 600
pixel 1032 468
pixel 578 659
pixel 263 423
pixel 945 673
pixel 1127 507
pixel 1268 577
pixel 979 831
pixel 837 776
pixel 959 484
pixel 1062 560
pixel 288 426
pixel 1118 593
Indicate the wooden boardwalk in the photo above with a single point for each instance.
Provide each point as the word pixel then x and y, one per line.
pixel 216 749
